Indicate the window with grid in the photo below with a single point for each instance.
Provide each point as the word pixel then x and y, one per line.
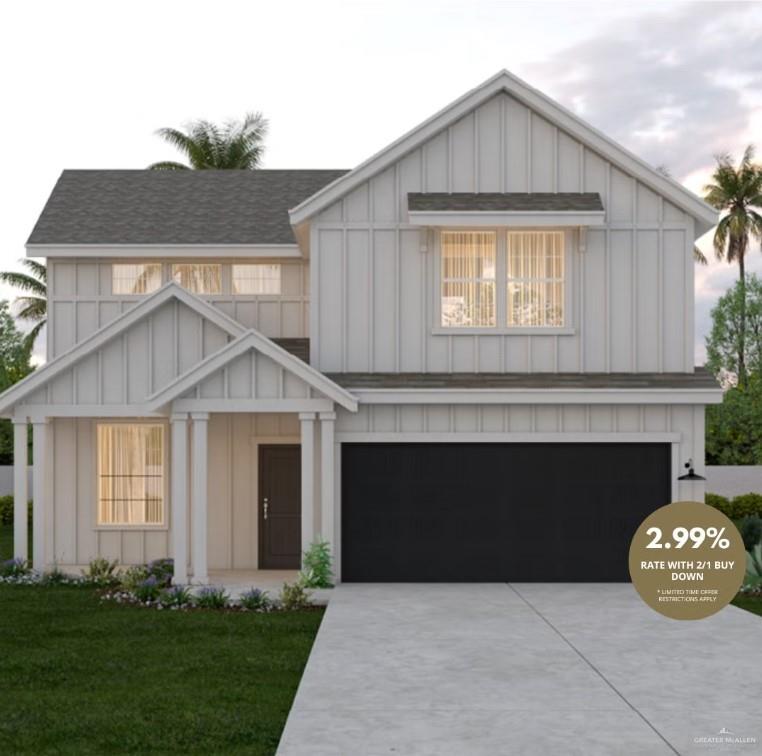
pixel 535 286
pixel 200 278
pixel 468 278
pixel 141 278
pixel 256 279
pixel 130 474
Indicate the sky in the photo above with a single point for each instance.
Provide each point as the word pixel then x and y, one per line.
pixel 86 84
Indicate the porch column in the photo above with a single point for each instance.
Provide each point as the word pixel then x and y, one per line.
pixel 179 485
pixel 327 486
pixel 308 478
pixel 40 494
pixel 20 489
pixel 199 456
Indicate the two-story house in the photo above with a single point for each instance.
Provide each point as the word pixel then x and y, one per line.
pixel 469 358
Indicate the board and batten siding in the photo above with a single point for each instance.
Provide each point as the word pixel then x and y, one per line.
pixel 71 533
pixel 81 302
pixel 374 275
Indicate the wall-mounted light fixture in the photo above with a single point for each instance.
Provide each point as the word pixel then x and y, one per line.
pixel 691 474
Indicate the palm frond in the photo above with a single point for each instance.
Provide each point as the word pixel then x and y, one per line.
pixel 38 270
pixel 31 337
pixel 23 281
pixel 32 308
pixel 699 257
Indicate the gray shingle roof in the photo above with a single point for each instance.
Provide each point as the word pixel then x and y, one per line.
pixel 701 379
pixel 505 201
pixel 176 207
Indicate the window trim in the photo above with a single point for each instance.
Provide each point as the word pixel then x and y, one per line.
pixel 167 504
pixel 571 244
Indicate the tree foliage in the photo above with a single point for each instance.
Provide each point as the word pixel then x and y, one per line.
pixel 727 343
pixel 33 305
pixel 15 351
pixel 206 145
pixel 734 428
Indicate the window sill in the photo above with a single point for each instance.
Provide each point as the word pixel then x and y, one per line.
pixel 121 528
pixel 516 331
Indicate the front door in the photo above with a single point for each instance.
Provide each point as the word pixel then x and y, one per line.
pixel 280 507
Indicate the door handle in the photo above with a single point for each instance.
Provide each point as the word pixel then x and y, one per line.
pixel 265 505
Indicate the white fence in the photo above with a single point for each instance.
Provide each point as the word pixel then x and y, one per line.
pixel 732 480
pixel 6 480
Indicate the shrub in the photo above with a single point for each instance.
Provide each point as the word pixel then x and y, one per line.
pixel 749 504
pixel 294 596
pixel 6 510
pixel 255 600
pixel 133 576
pixel 101 572
pixel 12 568
pixel 148 590
pixel 178 596
pixel 720 502
pixel 56 577
pixel 751 532
pixel 317 571
pixel 162 569
pixel 211 597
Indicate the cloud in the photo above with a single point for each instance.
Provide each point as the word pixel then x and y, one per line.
pixel 674 87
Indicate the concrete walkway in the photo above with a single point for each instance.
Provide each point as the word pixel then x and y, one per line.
pixel 494 669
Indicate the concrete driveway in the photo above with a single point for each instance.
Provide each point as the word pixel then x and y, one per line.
pixel 523 669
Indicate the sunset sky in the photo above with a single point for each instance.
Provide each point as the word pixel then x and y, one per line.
pixel 85 84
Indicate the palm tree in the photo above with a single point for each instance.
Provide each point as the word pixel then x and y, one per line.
pixel 236 144
pixel 736 192
pixel 34 305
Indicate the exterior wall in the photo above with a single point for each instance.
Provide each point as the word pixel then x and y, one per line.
pixel 374 284
pixel 734 480
pixel 138 362
pixel 71 533
pixel 81 301
pixel 523 422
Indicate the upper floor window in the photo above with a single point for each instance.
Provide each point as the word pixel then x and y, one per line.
pixel 535 278
pixel 140 278
pixel 256 279
pixel 200 278
pixel 130 474
pixel 531 271
pixel 468 278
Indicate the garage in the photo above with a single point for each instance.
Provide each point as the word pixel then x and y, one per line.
pixel 496 512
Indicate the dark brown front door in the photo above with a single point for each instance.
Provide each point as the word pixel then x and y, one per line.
pixel 280 508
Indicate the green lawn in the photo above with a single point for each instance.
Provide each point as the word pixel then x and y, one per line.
pixel 80 676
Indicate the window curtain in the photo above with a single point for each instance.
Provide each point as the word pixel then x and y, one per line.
pixel 468 278
pixel 130 474
pixel 536 279
pixel 256 279
pixel 200 278
pixel 135 279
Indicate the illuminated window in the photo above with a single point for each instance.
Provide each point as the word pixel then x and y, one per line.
pixel 200 278
pixel 468 278
pixel 535 286
pixel 256 279
pixel 130 474
pixel 140 278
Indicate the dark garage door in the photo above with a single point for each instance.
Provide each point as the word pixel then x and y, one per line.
pixel 496 512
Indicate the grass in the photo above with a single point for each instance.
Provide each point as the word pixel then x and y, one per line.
pixel 81 676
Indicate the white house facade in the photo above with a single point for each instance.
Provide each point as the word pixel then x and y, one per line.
pixel 469 358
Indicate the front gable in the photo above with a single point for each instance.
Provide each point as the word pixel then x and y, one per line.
pixel 503 136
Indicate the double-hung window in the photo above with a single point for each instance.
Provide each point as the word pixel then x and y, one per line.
pixel 130 474
pixel 506 279
pixel 468 278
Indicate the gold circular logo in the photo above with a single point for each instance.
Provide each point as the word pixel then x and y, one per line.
pixel 687 560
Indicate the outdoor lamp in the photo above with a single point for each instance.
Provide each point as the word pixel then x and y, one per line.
pixel 691 474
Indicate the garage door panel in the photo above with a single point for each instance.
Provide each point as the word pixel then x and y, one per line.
pixel 496 512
